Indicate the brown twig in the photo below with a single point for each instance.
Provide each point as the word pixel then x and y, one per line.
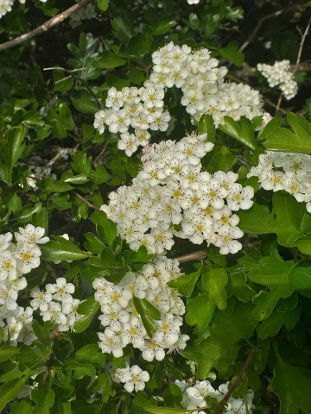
pixel 237 382
pixel 86 201
pixel 303 39
pixel 278 105
pixel 100 154
pixel 43 27
pixel 274 105
pixel 198 255
pixel 268 17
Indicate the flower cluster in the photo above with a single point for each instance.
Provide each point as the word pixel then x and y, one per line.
pixel 133 377
pixel 137 108
pixel 132 111
pixel 171 196
pixel 16 260
pixel 56 304
pixel 123 324
pixel 290 172
pixel 195 395
pixel 280 75
pixel 193 1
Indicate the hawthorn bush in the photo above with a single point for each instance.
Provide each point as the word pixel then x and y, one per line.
pixel 155 200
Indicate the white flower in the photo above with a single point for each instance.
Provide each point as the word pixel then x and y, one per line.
pixel 54 313
pixel 31 235
pixel 61 290
pixel 134 379
pixel 40 299
pixel 5 240
pixel 279 74
pixel 27 256
pixel 152 350
pixel 110 343
pixel 7 266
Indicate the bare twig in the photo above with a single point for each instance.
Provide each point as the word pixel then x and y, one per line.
pixel 278 105
pixel 198 255
pixel 60 153
pixel 274 105
pixel 303 39
pixel 268 17
pixel 237 382
pixel 44 27
pixel 100 154
pixel 86 201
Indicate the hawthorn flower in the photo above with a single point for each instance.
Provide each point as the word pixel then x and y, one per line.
pixel 7 266
pixel 31 235
pixel 40 299
pixel 285 171
pixel 110 342
pixel 54 313
pixel 152 350
pixel 27 256
pixel 133 378
pixel 5 240
pixel 61 290
pixel 203 88
pixel 280 74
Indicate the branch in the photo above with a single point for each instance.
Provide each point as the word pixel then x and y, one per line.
pixel 44 27
pixel 303 38
pixel 100 154
pixel 86 201
pixel 268 17
pixel 200 254
pixel 237 382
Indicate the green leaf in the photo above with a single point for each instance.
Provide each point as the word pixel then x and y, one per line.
pixel 257 220
pixel 185 283
pixel 7 352
pixel 138 45
pixel 21 407
pixel 62 249
pixel 15 145
pixel 302 280
pixel 200 311
pixel 289 214
pixel 242 131
pixel 10 390
pixel 109 60
pixel 81 163
pixel 55 186
pixel 292 385
pixel 282 139
pixel 88 309
pixel 265 302
pixel 106 229
pixel 221 159
pixel 83 102
pixel 163 25
pixel 232 54
pixel 92 354
pixel 61 120
pixel 206 126
pixel 214 282
pixel 80 368
pixel 271 326
pixel 44 398
pixel 103 4
pixel 148 313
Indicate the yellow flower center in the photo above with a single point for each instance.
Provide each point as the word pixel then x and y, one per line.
pixel 26 257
